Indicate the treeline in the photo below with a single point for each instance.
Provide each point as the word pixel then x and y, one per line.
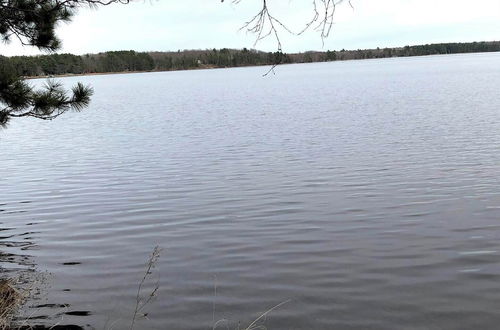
pixel 420 50
pixel 130 61
pixel 59 64
pixel 127 61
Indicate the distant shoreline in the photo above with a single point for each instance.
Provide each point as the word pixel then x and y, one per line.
pixel 308 57
pixel 124 72
pixel 152 71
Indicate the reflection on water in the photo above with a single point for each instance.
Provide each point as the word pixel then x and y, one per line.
pixel 367 192
pixel 15 244
pixel 17 264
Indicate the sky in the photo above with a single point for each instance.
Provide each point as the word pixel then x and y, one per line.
pixel 171 25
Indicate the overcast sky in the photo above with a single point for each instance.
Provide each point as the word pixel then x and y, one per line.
pixel 162 25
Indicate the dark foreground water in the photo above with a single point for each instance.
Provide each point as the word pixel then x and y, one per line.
pixel 367 192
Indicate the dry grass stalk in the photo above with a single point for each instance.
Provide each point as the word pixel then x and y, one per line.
pixel 254 324
pixel 140 300
pixel 10 301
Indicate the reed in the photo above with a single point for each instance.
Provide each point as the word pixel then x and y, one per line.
pixel 10 301
pixel 143 299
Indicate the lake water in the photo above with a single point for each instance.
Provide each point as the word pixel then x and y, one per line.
pixel 366 192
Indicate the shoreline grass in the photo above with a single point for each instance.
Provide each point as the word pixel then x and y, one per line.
pixel 11 300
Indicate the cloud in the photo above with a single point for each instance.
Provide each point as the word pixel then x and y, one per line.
pixel 198 24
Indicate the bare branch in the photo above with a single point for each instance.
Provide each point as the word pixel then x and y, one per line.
pixel 265 23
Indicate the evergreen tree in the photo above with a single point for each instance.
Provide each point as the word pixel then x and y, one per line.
pixel 33 23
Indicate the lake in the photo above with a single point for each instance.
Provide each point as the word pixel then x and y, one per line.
pixel 366 194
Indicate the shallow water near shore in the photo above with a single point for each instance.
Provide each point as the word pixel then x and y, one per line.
pixel 367 192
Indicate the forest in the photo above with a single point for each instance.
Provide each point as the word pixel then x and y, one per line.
pixel 132 61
